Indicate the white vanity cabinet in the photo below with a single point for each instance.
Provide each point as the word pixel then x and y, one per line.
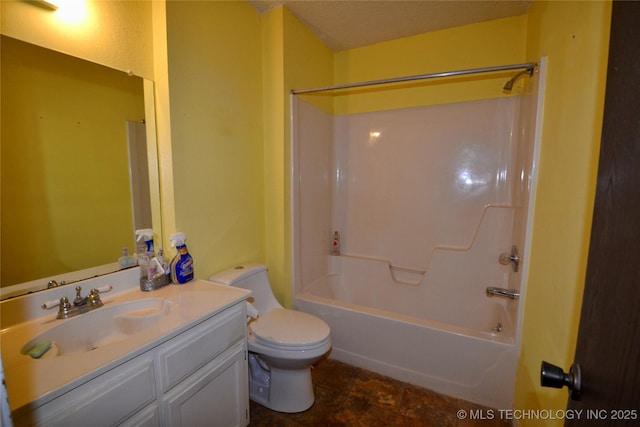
pixel 197 378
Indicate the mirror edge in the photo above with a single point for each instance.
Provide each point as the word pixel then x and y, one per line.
pixel 153 160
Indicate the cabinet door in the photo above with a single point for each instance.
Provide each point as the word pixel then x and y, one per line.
pixel 215 395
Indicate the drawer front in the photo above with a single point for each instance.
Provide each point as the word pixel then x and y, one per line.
pixel 196 347
pixel 103 401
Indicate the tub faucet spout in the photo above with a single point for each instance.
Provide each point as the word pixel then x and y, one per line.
pixel 502 292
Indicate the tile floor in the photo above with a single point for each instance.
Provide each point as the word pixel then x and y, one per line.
pixel 350 396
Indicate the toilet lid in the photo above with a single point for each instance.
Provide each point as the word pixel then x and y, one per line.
pixel 289 328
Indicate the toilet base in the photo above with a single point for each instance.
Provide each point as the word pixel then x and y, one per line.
pixel 288 390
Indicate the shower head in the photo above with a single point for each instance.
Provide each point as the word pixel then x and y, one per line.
pixel 508 86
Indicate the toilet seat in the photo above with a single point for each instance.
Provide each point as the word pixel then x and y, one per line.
pixel 289 330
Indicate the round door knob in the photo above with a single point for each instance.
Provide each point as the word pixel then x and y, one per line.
pixel 554 376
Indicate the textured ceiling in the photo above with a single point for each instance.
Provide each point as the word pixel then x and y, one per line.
pixel 347 24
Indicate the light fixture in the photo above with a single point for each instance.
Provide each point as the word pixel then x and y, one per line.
pixel 67 12
pixel 49 4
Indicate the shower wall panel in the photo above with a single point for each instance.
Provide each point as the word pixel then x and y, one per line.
pixel 410 181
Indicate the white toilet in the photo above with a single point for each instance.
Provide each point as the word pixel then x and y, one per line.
pixel 283 344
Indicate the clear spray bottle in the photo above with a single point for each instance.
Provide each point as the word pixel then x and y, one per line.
pixel 146 235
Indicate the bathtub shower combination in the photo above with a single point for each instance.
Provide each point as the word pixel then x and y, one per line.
pixel 432 208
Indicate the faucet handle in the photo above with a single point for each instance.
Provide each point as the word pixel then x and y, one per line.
pixel 93 299
pixel 48 305
pixel 103 289
pixel 78 298
pixel 64 306
pixel 62 303
pixel 510 258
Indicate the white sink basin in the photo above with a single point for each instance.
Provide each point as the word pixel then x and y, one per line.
pixel 100 327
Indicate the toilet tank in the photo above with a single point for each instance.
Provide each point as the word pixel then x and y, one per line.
pixel 254 278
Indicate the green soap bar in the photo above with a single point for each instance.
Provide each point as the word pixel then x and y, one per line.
pixel 39 349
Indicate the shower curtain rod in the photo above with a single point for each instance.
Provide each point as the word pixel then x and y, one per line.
pixel 527 66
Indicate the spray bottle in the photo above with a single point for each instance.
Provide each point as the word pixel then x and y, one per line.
pixel 166 267
pixel 182 263
pixel 146 234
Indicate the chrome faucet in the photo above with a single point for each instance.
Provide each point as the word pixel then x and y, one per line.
pixel 502 292
pixel 80 305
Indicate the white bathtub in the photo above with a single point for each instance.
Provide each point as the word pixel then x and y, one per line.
pixel 436 337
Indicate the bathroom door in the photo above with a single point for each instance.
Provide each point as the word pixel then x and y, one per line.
pixel 608 347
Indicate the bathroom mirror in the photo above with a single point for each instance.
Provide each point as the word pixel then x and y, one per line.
pixel 75 166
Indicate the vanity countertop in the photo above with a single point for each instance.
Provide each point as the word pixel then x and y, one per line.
pixel 37 381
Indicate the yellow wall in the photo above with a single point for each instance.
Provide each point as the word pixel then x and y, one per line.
pixel 294 58
pixel 274 145
pixel 57 109
pixel 215 86
pixel 574 36
pixel 486 44
pixel 158 91
pixel 100 32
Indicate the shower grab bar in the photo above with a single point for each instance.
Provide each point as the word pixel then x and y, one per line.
pixel 528 66
pixel 393 269
pixel 407 269
pixel 395 276
pixel 385 261
pixel 403 281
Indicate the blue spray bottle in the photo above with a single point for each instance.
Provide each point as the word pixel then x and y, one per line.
pixel 182 263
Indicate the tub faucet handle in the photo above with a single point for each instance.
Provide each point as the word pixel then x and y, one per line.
pixel 512 258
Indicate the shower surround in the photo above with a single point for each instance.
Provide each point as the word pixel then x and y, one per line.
pixel 425 200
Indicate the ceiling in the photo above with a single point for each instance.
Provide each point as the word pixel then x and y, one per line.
pixel 347 24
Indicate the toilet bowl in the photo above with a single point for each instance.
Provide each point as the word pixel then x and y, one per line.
pixel 283 344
